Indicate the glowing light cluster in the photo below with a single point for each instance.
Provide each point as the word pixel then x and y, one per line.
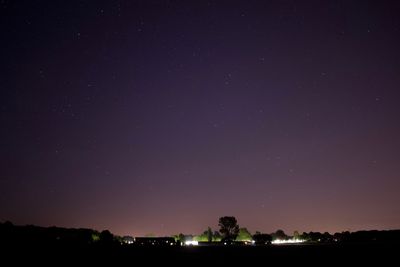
pixel 191 243
pixel 288 241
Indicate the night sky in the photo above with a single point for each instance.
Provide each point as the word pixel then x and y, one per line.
pixel 162 116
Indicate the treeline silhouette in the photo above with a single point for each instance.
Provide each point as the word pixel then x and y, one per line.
pixel 29 235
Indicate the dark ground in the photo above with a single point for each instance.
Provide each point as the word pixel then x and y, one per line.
pixel 307 255
pixel 54 246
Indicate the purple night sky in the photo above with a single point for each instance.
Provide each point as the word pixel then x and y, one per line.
pixel 162 116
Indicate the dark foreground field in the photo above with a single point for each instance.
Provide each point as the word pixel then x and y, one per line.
pixel 309 255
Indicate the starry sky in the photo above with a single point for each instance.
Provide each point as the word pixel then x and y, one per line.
pixel 162 116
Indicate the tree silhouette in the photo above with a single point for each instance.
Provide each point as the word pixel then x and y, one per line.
pixel 262 239
pixel 206 236
pixel 181 238
pixel 217 236
pixel 209 234
pixel 296 235
pixel 280 234
pixel 106 238
pixel 244 235
pixel 228 228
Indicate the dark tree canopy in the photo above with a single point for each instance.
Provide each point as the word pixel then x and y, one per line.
pixel 262 239
pixel 228 227
pixel 279 234
pixel 106 237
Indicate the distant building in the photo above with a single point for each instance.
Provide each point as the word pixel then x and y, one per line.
pixel 128 240
pixel 155 241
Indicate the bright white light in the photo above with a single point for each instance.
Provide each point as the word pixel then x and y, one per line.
pixel 289 241
pixel 191 243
